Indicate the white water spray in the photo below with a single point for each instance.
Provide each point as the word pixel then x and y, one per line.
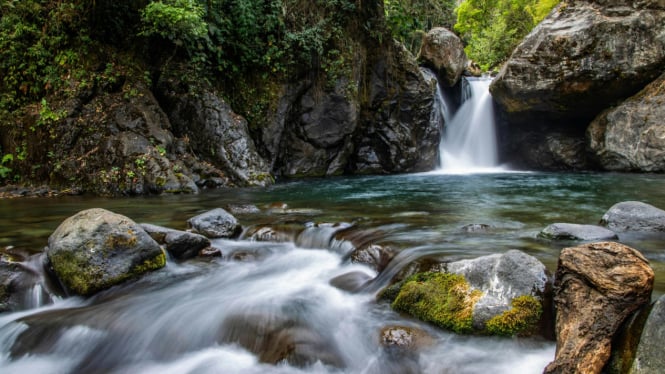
pixel 469 141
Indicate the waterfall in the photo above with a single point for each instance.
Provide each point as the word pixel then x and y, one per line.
pixel 468 143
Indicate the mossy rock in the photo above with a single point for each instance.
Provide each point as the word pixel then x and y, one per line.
pixel 96 249
pixel 443 299
pixel 523 316
pixel 448 300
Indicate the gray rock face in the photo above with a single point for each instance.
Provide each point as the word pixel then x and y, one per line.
pixel 634 216
pixel 96 249
pixel 571 231
pixel 596 287
pixel 317 140
pixel 374 120
pixel 180 244
pixel 649 357
pixel 443 52
pixel 219 134
pixel 501 278
pixel 396 134
pixel 583 57
pixel 217 223
pixel 631 136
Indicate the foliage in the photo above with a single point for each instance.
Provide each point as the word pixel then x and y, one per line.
pixel 524 315
pixel 443 299
pixel 4 168
pixel 409 20
pixel 493 28
pixel 179 21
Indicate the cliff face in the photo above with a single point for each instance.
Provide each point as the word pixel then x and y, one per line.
pixel 372 118
pixel 153 123
pixel 583 58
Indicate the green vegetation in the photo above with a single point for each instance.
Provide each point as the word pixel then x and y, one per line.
pixel 409 20
pixel 524 315
pixel 493 28
pixel 443 299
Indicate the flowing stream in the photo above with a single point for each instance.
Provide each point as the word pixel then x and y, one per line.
pixel 241 312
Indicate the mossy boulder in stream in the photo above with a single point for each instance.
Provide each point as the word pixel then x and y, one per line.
pixel 96 249
pixel 443 299
pixel 500 294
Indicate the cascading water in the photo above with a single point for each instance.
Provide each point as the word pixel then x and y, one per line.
pixel 468 144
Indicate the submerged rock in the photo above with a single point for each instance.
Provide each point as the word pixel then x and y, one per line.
pixel 571 231
pixel 17 280
pixel 217 223
pixel 443 52
pixel 353 281
pixel 96 249
pixel 634 216
pixel 180 244
pixel 375 256
pixel 476 228
pixel 276 339
pixel 596 287
pixel 405 338
pixel 631 136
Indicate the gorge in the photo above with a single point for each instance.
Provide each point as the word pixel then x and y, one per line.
pixel 353 173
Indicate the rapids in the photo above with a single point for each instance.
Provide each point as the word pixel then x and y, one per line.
pixel 229 314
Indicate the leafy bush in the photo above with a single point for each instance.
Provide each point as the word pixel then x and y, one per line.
pixel 493 28
pixel 408 20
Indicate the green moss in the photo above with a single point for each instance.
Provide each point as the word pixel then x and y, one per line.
pixel 154 263
pixel 443 299
pixel 524 315
pixel 73 272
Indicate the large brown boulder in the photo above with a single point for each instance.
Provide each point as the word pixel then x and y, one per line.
pixel 443 52
pixel 597 287
pixel 631 136
pixel 582 58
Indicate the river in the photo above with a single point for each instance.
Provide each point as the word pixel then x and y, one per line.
pixel 213 316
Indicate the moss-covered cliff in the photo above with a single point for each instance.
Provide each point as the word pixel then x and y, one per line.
pixel 141 97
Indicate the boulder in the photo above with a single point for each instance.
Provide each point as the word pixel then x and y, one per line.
pixel 405 338
pixel 275 338
pixel 572 231
pixel 502 278
pixel 96 249
pixel 649 356
pixel 583 57
pixel 597 286
pixel 217 223
pixel 501 294
pixel 631 136
pixel 180 244
pixel 634 216
pixel 353 281
pixel 476 228
pixel 17 282
pixel 375 256
pixel 443 52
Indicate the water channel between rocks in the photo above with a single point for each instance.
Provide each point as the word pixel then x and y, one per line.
pixel 190 317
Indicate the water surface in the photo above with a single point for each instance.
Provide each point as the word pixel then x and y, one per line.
pixel 189 317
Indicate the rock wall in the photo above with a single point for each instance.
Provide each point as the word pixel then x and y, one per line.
pixel 583 58
pixel 374 119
